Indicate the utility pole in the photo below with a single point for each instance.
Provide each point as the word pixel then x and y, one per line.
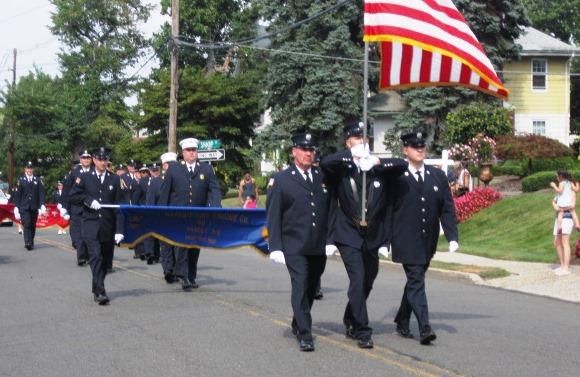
pixel 12 133
pixel 171 133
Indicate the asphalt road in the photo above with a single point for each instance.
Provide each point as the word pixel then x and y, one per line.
pixel 237 322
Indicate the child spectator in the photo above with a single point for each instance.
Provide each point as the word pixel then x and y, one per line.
pixel 566 198
pixel 250 202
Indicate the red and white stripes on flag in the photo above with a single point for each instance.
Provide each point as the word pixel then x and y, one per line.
pixel 428 43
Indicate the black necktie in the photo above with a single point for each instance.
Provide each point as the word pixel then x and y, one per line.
pixel 101 178
pixel 308 180
pixel 419 177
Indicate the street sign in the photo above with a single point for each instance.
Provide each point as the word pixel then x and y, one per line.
pixel 205 145
pixel 212 155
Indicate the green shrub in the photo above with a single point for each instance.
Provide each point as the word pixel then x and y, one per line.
pixel 555 163
pixel 541 180
pixel 529 147
pixel 465 123
pixel 511 167
pixel 262 182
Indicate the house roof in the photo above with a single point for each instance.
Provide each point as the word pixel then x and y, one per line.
pixel 535 43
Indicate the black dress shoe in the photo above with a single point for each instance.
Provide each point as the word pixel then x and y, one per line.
pixel 142 257
pixel 169 278
pixel 101 299
pixel 150 260
pixel 404 331
pixel 427 336
pixel 349 332
pixel 319 295
pixel 306 345
pixel 186 284
pixel 194 285
pixel 365 342
pixel 81 262
pixel 28 246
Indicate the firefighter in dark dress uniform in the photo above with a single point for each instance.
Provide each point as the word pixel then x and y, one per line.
pixel 189 184
pixel 358 241
pixel 151 187
pixel 139 199
pixel 166 251
pixel 84 166
pixel 419 200
pixel 29 202
pixel 297 215
pixel 101 228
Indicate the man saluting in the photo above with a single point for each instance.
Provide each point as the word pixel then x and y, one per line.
pixel 297 208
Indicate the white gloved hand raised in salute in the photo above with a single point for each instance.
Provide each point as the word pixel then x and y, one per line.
pixel 360 151
pixel 95 205
pixel 367 163
pixel 277 256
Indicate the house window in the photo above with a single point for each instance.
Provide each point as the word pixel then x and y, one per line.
pixel 539 127
pixel 539 74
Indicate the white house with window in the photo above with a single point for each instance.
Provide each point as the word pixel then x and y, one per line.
pixel 539 86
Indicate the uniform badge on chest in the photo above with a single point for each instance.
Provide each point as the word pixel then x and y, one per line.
pixel 202 177
pixel 377 184
pixel 111 188
pixel 435 188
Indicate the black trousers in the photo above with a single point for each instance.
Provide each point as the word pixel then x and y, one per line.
pixel 186 262
pixel 414 298
pixel 167 258
pixel 362 267
pixel 152 247
pixel 305 272
pixel 100 258
pixel 28 218
pixel 75 234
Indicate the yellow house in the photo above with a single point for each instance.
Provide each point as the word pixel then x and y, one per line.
pixel 539 86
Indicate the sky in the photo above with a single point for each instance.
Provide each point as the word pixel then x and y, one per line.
pixel 24 26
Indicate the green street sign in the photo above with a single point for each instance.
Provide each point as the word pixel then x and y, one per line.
pixel 205 145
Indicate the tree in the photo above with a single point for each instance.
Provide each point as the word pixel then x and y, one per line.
pixel 102 40
pixel 308 93
pixel 217 106
pixel 496 23
pixel 476 118
pixel 33 103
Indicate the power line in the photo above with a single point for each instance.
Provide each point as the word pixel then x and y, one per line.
pixel 30 10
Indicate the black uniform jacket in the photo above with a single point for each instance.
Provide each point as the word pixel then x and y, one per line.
pixel 179 188
pixel 346 183
pixel 68 183
pixel 133 191
pixel 104 223
pixel 143 188
pixel 29 196
pixel 154 190
pixel 57 197
pixel 416 212
pixel 297 212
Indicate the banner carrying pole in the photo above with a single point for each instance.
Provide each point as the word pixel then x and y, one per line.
pixel 363 221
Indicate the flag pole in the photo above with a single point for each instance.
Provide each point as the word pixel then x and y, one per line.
pixel 363 221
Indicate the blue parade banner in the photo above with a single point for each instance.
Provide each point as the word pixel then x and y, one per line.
pixel 219 228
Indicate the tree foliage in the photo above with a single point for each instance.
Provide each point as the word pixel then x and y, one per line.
pixel 476 118
pixel 305 92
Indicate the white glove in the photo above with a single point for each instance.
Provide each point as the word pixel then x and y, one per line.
pixel 453 246
pixel 59 206
pixel 95 205
pixel 384 251
pixel 330 250
pixel 118 238
pixel 66 217
pixel 277 256
pixel 62 211
pixel 42 210
pixel 367 163
pixel 16 213
pixel 360 150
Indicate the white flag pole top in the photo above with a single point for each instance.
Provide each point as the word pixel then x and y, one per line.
pixel 428 43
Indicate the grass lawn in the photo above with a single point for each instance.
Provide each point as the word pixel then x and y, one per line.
pixel 516 228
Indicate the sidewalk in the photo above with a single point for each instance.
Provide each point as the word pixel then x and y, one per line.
pixel 535 278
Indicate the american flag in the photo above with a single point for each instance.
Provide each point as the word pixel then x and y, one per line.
pixel 428 43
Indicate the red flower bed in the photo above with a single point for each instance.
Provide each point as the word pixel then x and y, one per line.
pixel 474 201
